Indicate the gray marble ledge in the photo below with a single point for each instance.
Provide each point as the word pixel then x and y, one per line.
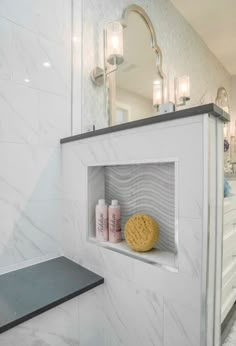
pixel 210 108
pixel 28 292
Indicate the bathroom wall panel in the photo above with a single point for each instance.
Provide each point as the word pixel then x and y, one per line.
pixel 189 260
pixel 30 205
pixel 91 321
pixel 35 108
pixel 134 316
pixel 143 304
pixel 32 117
pixel 56 327
pixel 46 18
pixel 179 329
pixel 24 53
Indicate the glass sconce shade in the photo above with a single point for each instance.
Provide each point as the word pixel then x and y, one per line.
pixel 182 89
pixel 222 99
pixel 114 43
pixel 157 93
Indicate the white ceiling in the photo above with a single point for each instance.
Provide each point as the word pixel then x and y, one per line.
pixel 215 22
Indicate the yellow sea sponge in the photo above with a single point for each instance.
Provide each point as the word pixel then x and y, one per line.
pixel 141 232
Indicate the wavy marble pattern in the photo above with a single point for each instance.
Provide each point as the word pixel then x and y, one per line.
pixel 145 188
pixel 231 338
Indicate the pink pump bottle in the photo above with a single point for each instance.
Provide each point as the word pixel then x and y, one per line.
pixel 114 216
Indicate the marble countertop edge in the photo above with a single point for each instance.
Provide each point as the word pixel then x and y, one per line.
pixel 210 108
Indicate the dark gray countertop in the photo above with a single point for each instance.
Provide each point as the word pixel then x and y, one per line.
pixel 27 292
pixel 210 108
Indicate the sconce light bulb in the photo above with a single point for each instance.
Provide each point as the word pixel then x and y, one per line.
pixel 182 90
pixel 114 43
pixel 157 93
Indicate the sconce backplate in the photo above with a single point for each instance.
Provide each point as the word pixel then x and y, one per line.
pixel 97 76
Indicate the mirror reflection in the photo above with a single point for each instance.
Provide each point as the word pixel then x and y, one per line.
pixel 131 86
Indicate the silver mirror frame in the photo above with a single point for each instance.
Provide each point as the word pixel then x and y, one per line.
pixel 99 76
pixel 124 21
pixel 219 95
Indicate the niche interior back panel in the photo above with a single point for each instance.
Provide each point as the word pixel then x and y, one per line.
pixel 139 188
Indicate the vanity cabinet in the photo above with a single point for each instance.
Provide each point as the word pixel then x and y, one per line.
pixel 229 258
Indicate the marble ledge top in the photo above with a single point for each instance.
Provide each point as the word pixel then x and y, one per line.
pixel 210 108
pixel 28 292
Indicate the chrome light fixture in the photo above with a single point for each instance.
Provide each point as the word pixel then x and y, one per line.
pixel 182 95
pixel 114 56
pixel 157 94
pixel 222 99
pixel 182 90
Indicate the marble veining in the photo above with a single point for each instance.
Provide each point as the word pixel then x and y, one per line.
pixel 40 111
pixel 141 304
pixel 58 327
pixel 35 113
pixel 145 188
pixel 231 337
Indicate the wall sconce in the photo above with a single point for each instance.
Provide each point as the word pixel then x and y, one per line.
pixel 157 94
pixel 182 95
pixel 113 38
pixel 182 90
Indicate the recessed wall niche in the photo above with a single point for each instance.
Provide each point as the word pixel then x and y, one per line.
pixel 148 188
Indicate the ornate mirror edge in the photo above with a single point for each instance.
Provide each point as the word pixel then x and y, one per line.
pixel 148 22
pixel 219 94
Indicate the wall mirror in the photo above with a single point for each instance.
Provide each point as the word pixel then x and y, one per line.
pixel 135 80
pixel 222 99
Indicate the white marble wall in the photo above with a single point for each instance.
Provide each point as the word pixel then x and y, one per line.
pixel 69 324
pixel 141 304
pixel 35 112
pixel 184 52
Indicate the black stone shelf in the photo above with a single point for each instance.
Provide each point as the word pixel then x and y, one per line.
pixel 210 108
pixel 28 292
